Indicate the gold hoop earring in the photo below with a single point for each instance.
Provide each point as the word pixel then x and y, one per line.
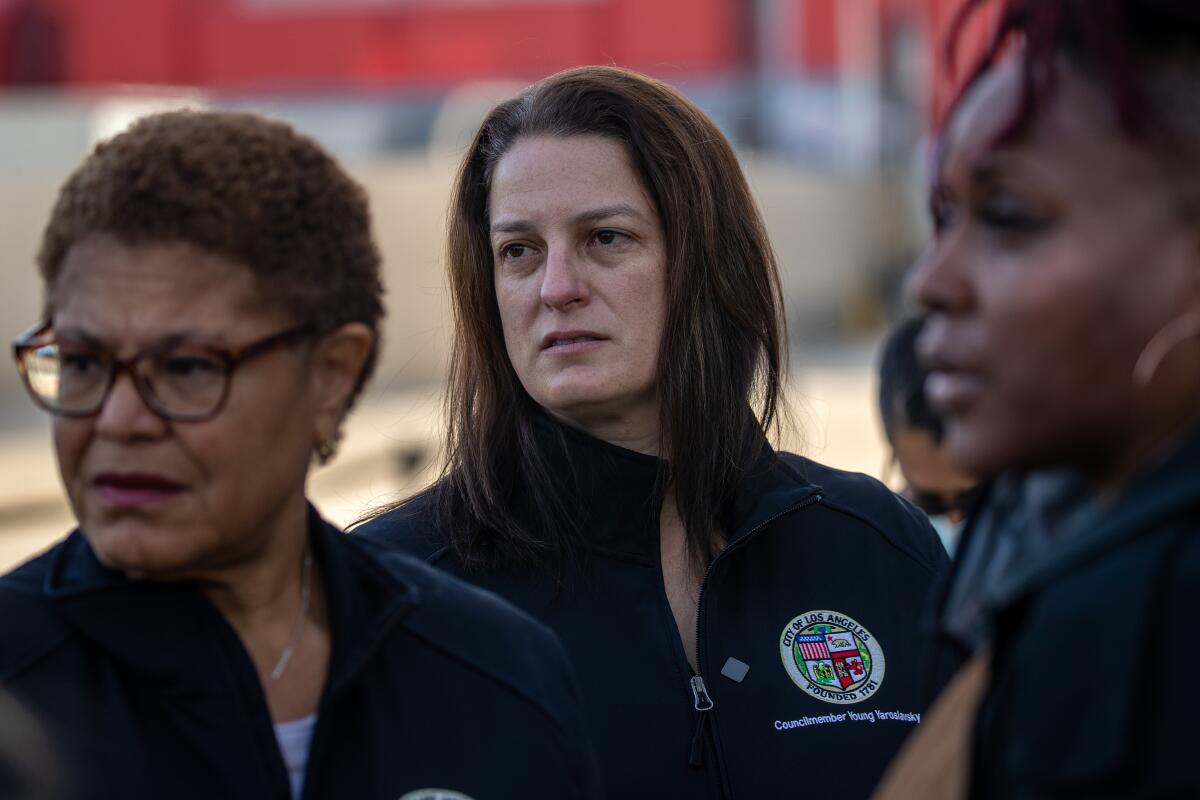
pixel 1170 336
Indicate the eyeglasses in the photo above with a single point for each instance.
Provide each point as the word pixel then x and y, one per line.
pixel 180 381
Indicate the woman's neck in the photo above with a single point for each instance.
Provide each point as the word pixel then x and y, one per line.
pixel 639 433
pixel 276 604
pixel 1141 451
pixel 262 581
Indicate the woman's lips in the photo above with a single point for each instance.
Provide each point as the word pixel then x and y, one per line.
pixel 567 345
pixel 130 490
pixel 952 391
pixel 954 383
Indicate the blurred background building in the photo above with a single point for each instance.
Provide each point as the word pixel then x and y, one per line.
pixel 829 102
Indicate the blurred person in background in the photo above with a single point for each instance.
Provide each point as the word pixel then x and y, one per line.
pixel 1063 292
pixel 212 310
pixel 741 619
pixel 932 481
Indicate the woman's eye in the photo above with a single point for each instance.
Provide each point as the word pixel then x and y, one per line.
pixel 944 215
pixel 516 250
pixel 190 366
pixel 1010 215
pixel 608 238
pixel 78 362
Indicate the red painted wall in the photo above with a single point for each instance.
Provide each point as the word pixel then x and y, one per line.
pixel 819 36
pixel 228 44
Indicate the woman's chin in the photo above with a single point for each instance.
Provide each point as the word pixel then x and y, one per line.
pixel 138 550
pixel 575 399
pixel 594 396
pixel 985 451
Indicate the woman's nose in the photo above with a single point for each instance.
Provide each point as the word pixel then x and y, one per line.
pixel 563 283
pixel 938 281
pixel 125 414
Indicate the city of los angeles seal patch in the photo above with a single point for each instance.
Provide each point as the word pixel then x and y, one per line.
pixel 832 657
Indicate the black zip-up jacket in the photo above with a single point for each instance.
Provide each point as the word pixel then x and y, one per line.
pixel 147 692
pixel 1094 691
pixel 811 661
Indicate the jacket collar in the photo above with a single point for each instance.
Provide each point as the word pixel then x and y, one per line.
pixel 1163 493
pixel 165 631
pixel 366 600
pixel 773 487
pixel 617 492
pixel 620 491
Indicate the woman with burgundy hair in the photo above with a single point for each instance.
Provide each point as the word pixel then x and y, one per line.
pixel 1063 338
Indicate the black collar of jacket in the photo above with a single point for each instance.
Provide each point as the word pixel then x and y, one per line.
pixel 1139 536
pixel 1163 493
pixel 1160 494
pixel 152 627
pixel 619 492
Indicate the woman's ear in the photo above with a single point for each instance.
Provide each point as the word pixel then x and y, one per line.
pixel 337 362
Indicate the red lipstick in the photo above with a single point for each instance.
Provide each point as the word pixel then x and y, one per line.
pixel 135 489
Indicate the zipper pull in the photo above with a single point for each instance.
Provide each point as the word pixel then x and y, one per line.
pixel 700 696
pixel 702 702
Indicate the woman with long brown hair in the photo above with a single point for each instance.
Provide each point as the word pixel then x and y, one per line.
pixel 735 614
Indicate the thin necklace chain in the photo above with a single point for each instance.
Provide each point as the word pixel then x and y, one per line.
pixel 305 590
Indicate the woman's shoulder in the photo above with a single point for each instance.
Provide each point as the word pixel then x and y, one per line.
pixel 410 528
pixel 460 621
pixel 869 501
pixel 32 628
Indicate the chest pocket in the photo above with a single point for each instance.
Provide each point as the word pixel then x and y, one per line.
pixel 834 677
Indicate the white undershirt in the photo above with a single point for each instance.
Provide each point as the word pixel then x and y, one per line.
pixel 294 739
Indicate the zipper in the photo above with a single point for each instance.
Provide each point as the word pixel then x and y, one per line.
pixel 702 701
pixel 700 697
pixel 808 501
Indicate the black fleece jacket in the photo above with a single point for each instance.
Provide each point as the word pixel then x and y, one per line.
pixel 812 667
pixel 147 692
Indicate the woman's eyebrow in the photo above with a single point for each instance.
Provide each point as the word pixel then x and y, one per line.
pixel 170 339
pixel 190 336
pixel 985 174
pixel 992 168
pixel 75 332
pixel 511 226
pixel 597 214
pixel 583 218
